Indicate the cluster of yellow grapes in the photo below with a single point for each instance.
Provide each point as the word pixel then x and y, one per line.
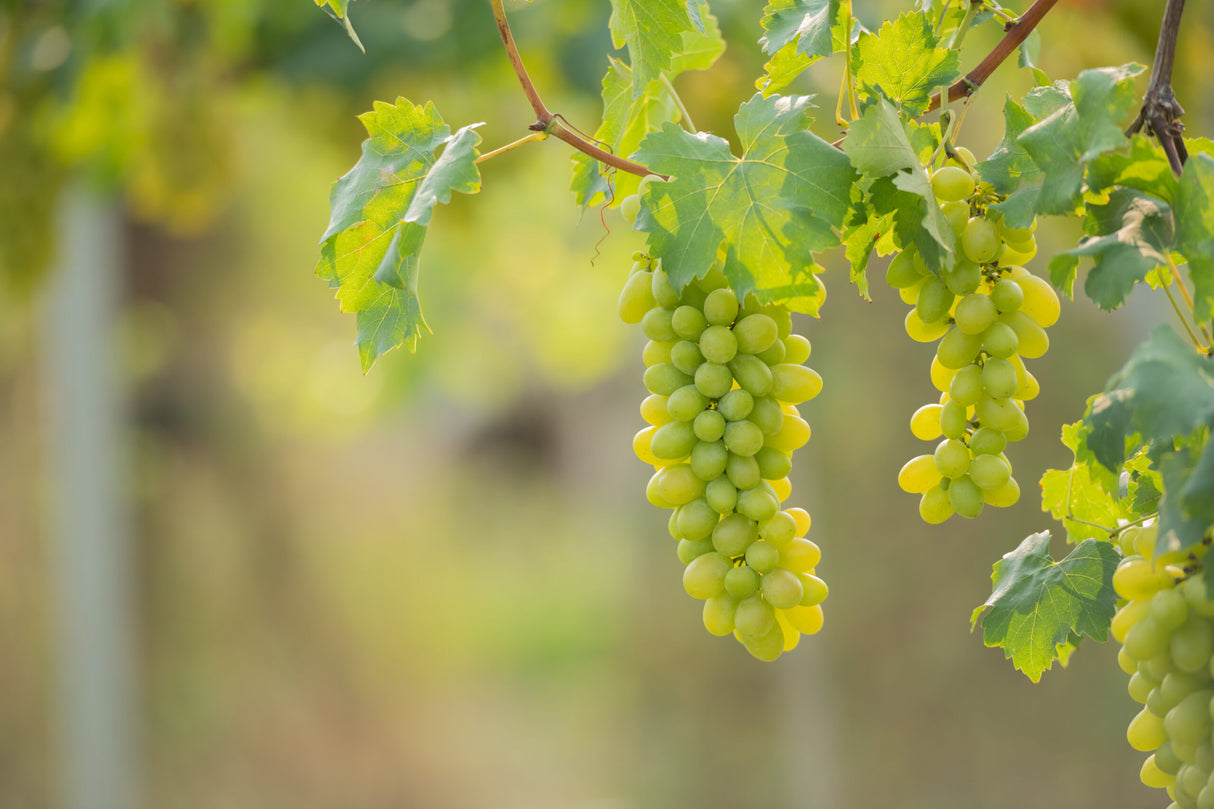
pixel 1166 629
pixel 986 315
pixel 725 377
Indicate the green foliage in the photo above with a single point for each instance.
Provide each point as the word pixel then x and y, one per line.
pixel 1039 608
pixel 904 62
pixel 381 210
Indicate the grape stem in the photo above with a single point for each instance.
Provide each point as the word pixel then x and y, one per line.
pixel 1017 32
pixel 548 122
pixel 1160 109
pixel 1188 299
pixel 511 146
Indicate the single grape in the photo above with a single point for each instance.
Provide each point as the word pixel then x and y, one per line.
pixel 975 312
pixel 743 437
pixel 736 405
pixel 794 383
pixel 713 380
pixel 797 349
pixel 952 458
pixel 934 301
pixel 686 403
pixel 663 292
pixel 743 471
pixel 902 272
pixel 704 576
pixel 718 614
pixel 709 425
pixel 781 528
pixel 685 355
pixel 674 441
pixel 721 495
pixel 636 299
pixel 980 241
pixel 925 422
pixel 741 582
pixel 919 475
pixel 965 497
pixel 754 617
pixel 958 349
pixel 733 534
pixel 752 374
pixel 966 387
pixel 721 307
pixel 1007 295
pixel 800 555
pixel 934 506
pixel 708 459
pixel 951 184
pixel 657 325
pixel 718 344
pixel 782 588
pixel 755 333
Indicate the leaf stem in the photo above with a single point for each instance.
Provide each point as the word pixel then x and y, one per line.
pixel 534 136
pixel 1167 290
pixel 546 122
pixel 964 27
pixel 1188 299
pixel 849 78
pixel 1016 33
pixel 678 102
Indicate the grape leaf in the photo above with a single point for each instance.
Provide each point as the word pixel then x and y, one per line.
pixel 339 10
pixel 902 62
pixel 799 33
pixel 880 148
pixel 1010 169
pixel 768 210
pixel 1091 124
pixel 1030 49
pixel 1038 605
pixel 380 211
pixel 1194 210
pixel 652 30
pixel 1136 231
pixel 1083 493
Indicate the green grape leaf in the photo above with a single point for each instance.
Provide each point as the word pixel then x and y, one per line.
pixel 1183 520
pixel 1010 169
pixel 768 210
pixel 380 211
pixel 807 23
pixel 1030 49
pixel 903 63
pixel 1143 166
pixel 1166 389
pixel 339 10
pixel 859 242
pixel 880 148
pixel 1083 498
pixel 782 69
pixel 1092 124
pixel 652 30
pixel 1038 605
pixel 1136 230
pixel 1194 210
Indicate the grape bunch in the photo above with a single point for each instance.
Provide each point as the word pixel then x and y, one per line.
pixel 986 314
pixel 724 379
pixel 1166 629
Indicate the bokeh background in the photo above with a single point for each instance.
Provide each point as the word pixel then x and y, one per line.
pixel 439 585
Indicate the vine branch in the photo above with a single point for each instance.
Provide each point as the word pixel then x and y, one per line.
pixel 1017 32
pixel 1160 109
pixel 546 121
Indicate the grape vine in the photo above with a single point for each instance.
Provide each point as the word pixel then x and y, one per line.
pixel 737 231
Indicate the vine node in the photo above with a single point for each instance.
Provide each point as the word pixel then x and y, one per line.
pixel 1161 111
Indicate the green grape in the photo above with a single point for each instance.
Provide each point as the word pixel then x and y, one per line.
pixel 919 475
pixel 741 582
pixel 762 556
pixel 806 620
pixel 1192 645
pixel 689 549
pixel 685 355
pixel 925 422
pixel 630 206
pixel 773 464
pixel 952 184
pixel 953 419
pixel 766 413
pixel 999 378
pixel 656 352
pixel 987 441
pixel 1140 687
pixel 718 614
pixel 779 529
pixel 989 471
pixel 800 555
pixel 902 272
pixel 934 301
pixel 1033 341
pixel 1007 295
pixel 958 349
pixel 782 588
pixel 795 383
pixel 665 379
pixel 718 344
pixel 743 437
pixel 673 441
pixel 733 534
pixel 1170 609
pixel 736 405
pixel 814 590
pixel 708 459
pixel 975 312
pixel 934 506
pixel 964 277
pixel 755 333
pixel 655 411
pixel 642 446
pixel 657 325
pixel 713 380
pixel 966 387
pixel 721 495
pixel 952 458
pixel 1166 759
pixel 709 425
pixel 742 471
pixel 980 241
pixel 686 403
pixel 957 213
pixel 1040 300
pixel 636 299
pixel 766 647
pixel 793 434
pixel 757 504
pixel 1152 776
pixel 663 292
pixel 797 349
pixel 688 322
pixel 1189 722
pixel 754 617
pixel 1000 340
pixel 721 307
pixel 697 519
pixel 752 374
pixel 965 497
pixel 999 414
pixel 1145 640
pixel 704 576
pixel 773 354
pixel 922 332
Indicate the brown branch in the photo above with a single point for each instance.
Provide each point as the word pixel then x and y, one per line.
pixel 546 121
pixel 1160 109
pixel 1016 33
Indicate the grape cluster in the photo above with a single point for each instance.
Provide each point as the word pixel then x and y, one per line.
pixel 1166 629
pixel 725 378
pixel 986 315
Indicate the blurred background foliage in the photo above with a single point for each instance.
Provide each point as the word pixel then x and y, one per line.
pixel 439 585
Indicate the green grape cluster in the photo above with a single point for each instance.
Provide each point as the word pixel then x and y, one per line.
pixel 724 379
pixel 1166 631
pixel 986 314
